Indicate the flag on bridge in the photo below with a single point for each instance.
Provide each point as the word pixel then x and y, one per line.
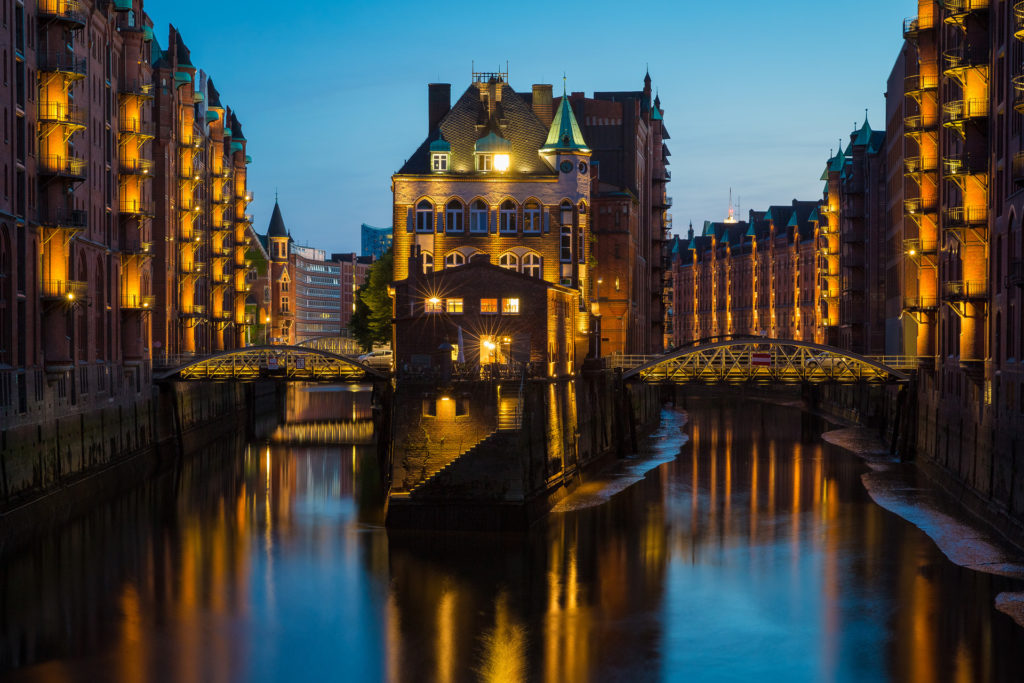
pixel 761 359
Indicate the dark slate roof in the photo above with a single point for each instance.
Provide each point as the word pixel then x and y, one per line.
pixel 276 227
pixel 213 96
pixel 184 56
pixel 468 121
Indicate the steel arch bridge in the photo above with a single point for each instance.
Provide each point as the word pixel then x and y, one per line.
pixel 758 360
pixel 336 344
pixel 292 363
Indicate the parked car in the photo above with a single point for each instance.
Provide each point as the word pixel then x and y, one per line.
pixel 380 358
pixel 826 362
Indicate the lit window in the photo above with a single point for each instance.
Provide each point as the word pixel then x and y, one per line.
pixel 508 217
pixel 510 306
pixel 565 213
pixel 565 250
pixel 531 217
pixel 439 162
pixel 483 162
pixel 581 251
pixel 428 262
pixel 532 265
pixel 454 258
pixel 453 216
pixel 432 305
pixel 284 286
pixel 424 217
pixel 489 306
pixel 501 162
pixel 453 305
pixel 478 217
pixel 509 261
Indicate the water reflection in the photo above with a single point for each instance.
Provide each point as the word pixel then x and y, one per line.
pixel 756 554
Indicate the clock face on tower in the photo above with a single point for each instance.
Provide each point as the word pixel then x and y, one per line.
pixel 566 166
pixel 583 167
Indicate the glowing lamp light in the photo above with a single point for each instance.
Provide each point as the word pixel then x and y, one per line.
pixel 912 252
pixel 489 345
pixel 71 296
pixel 433 300
pixel 446 398
pixel 501 162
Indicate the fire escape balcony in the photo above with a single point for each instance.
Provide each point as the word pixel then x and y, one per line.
pixel 244 218
pixel 61 166
pixel 137 248
pixel 62 63
pixel 957 113
pixel 70 220
pixel 960 290
pixel 918 84
pixel 62 114
pixel 920 304
pixel 1017 168
pixel 915 247
pixel 957 167
pixel 1018 93
pixel 961 217
pixel 915 166
pixel 917 124
pixel 193 311
pixel 663 203
pixel 135 127
pixel 222 278
pixel 67 12
pixel 64 290
pixel 136 207
pixel 1018 20
pixel 194 268
pixel 957 11
pixel 913 27
pixel 223 200
pixel 143 167
pixel 137 302
pixel 136 88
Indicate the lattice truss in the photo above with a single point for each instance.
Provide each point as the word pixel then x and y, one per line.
pixel 766 362
pixel 280 362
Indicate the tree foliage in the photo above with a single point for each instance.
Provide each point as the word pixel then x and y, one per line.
pixel 371 321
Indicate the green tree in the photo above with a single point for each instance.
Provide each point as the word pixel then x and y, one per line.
pixel 371 321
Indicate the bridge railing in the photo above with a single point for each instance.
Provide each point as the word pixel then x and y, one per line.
pixel 630 361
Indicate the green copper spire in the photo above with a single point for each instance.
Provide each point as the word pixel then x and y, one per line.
pixel 565 134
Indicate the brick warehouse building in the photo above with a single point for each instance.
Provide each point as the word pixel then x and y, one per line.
pixel 81 237
pixel 493 179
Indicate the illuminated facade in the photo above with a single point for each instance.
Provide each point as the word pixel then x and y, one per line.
pixel 753 277
pixel 201 227
pixel 493 179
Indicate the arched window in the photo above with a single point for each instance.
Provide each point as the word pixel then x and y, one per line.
pixel 531 217
pixel 454 258
pixel 424 217
pixel 509 260
pixel 532 265
pixel 478 217
pixel 428 262
pixel 508 216
pixel 565 213
pixel 453 216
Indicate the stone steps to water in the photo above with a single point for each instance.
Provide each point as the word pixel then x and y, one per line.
pixel 431 474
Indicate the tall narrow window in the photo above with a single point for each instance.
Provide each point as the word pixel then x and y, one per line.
pixel 424 217
pixel 532 265
pixel 478 217
pixel 531 218
pixel 428 262
pixel 508 217
pixel 453 216
pixel 565 247
pixel 581 243
pixel 509 261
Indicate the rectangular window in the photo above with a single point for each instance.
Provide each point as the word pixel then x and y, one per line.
pixel 565 250
pixel 453 305
pixel 483 162
pixel 488 306
pixel 432 305
pixel 510 306
pixel 440 162
pixel 284 304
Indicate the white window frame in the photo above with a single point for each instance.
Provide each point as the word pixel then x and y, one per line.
pixel 510 306
pixel 509 261
pixel 478 218
pixel 484 162
pixel 532 264
pixel 428 263
pixel 454 259
pixel 507 217
pixel 424 216
pixel 439 161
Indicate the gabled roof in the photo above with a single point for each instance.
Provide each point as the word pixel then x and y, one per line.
pixel 565 134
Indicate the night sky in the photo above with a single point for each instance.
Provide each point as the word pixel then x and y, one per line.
pixel 333 95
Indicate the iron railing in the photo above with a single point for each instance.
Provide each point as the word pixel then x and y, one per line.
pixel 67 290
pixel 960 290
pixel 142 302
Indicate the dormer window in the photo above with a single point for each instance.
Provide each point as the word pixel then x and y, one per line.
pixel 492 153
pixel 438 161
pixel 484 161
pixel 440 153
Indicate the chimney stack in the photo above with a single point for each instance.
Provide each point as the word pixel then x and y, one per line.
pixel 542 103
pixel 439 102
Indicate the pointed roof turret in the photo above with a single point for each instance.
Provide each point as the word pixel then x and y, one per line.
pixel 864 135
pixel 276 227
pixel 565 134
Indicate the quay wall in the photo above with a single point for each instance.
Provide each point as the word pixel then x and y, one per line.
pixel 59 467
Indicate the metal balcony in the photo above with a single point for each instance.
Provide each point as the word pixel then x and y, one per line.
pixel 960 165
pixel 918 207
pixel 196 268
pixel 918 124
pixel 137 302
pixel 1018 92
pixel 62 114
pixel 959 290
pixel 223 200
pixel 67 12
pixel 71 168
pixel 921 304
pixel 135 207
pixel 916 165
pixel 920 83
pixel 64 290
pixel 58 218
pixel 137 248
pixel 1018 20
pixel 62 63
pixel 913 27
pixel 133 126
pixel 136 88
pixel 194 311
pixel 142 167
pixel 965 217
pixel 958 112
pixel 915 247
pixel 957 11
pixel 1017 168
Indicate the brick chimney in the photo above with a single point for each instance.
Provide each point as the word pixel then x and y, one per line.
pixel 439 102
pixel 542 103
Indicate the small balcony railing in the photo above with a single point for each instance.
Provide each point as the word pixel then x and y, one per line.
pixel 221 278
pixel 137 248
pixel 223 200
pixel 918 207
pixel 135 166
pixel 59 218
pixel 918 123
pixel 64 11
pixel 958 112
pixel 66 290
pixel 137 302
pixel 1018 92
pixel 915 247
pixel 960 165
pixel 194 268
pixel 919 83
pixel 961 290
pixel 135 207
pixel 63 166
pixel 62 63
pixel 193 311
pixel 918 165
pixel 136 88
pixel 1017 168
pixel 134 126
pixel 920 303
pixel 915 26
pixel 1018 20
pixel 965 216
pixel 958 10
pixel 61 113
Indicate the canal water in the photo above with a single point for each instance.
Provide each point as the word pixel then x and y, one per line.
pixel 747 551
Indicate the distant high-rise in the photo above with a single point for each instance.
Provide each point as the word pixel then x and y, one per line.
pixel 375 241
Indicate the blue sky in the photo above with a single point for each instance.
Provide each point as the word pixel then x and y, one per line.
pixel 333 96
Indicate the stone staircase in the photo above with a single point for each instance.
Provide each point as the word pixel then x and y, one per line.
pixel 432 474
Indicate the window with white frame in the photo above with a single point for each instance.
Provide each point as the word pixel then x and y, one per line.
pixel 531 217
pixel 428 262
pixel 483 162
pixel 439 161
pixel 454 258
pixel 453 216
pixel 478 217
pixel 509 261
pixel 532 264
pixel 424 217
pixel 507 215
